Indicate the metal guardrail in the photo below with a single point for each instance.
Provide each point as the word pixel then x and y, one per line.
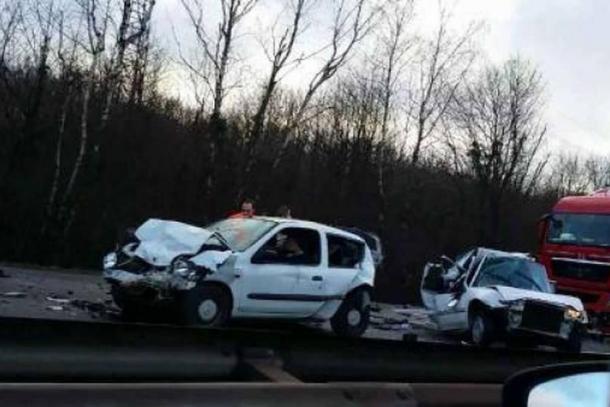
pixel 53 350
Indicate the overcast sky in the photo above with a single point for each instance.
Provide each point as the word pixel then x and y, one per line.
pixel 567 39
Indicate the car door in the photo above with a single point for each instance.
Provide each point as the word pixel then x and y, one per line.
pixel 269 278
pixel 331 279
pixel 442 291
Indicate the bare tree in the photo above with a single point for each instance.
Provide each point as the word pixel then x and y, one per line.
pixel 351 24
pixel 97 26
pixel 499 122
pixel 393 45
pixel 444 62
pixel 134 24
pixel 279 56
pixel 218 49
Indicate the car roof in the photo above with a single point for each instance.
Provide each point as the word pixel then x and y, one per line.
pixel 484 251
pixel 313 225
pixel 598 202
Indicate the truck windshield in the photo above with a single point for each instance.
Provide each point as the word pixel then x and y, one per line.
pixel 579 229
pixel 513 272
pixel 241 233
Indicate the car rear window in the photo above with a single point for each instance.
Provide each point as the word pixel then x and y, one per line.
pixel 343 252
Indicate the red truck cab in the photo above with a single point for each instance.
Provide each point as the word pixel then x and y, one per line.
pixel 574 246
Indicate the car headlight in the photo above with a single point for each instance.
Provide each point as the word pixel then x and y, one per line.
pixel 182 267
pixel 516 305
pixel 110 260
pixel 572 314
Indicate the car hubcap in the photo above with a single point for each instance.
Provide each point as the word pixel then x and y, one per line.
pixel 477 329
pixel 207 310
pixel 353 317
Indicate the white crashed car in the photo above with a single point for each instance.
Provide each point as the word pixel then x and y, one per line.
pixel 493 295
pixel 255 268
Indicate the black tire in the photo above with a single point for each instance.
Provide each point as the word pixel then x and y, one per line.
pixel 130 307
pixel 206 305
pixel 482 328
pixel 352 317
pixel 573 343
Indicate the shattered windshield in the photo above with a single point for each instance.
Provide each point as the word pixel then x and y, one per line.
pixel 513 272
pixel 579 228
pixel 241 233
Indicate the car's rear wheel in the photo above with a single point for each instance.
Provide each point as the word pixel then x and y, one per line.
pixel 352 317
pixel 481 328
pixel 206 305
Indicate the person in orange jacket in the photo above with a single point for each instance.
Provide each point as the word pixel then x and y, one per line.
pixel 247 210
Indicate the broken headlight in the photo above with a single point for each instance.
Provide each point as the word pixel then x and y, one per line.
pixel 110 260
pixel 572 314
pixel 182 267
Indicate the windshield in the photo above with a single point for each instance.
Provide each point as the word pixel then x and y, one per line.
pixel 579 229
pixel 241 233
pixel 513 272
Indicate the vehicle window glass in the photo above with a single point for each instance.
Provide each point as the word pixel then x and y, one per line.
pixel 241 233
pixel 291 246
pixel 580 229
pixel 513 272
pixel 344 253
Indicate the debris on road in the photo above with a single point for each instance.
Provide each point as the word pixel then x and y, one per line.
pixel 58 300
pixel 96 309
pixel 14 294
pixel 55 308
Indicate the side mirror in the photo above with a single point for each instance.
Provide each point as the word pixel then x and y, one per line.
pixel 553 285
pixel 574 384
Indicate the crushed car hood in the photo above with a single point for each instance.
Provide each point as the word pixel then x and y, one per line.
pixel 162 240
pixel 513 294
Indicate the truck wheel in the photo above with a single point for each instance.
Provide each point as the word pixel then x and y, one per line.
pixel 573 344
pixel 352 317
pixel 206 306
pixel 481 328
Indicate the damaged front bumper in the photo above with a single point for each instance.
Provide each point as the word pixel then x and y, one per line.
pixel 545 322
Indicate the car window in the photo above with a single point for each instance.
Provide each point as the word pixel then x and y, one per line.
pixel 343 252
pixel 296 246
pixel 241 233
pixel 513 272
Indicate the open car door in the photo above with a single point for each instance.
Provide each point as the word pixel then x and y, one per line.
pixel 439 289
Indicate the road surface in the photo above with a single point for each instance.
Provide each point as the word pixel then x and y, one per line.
pixel 83 295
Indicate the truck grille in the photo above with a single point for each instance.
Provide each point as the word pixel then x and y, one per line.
pixel 586 298
pixel 581 271
pixel 541 316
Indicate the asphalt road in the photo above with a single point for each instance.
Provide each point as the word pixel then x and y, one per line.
pixel 83 295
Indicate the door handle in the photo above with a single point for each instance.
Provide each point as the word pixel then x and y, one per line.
pixel 317 278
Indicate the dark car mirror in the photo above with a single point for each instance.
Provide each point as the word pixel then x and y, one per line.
pixel 575 384
pixel 553 285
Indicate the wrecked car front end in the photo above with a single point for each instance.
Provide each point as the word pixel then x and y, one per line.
pixel 540 319
pixel 162 260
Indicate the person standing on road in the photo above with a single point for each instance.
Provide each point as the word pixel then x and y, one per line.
pixel 247 210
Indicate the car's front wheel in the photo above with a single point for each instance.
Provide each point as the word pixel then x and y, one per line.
pixel 206 305
pixel 481 328
pixel 352 317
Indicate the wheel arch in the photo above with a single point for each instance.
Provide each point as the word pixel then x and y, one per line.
pixel 224 287
pixel 476 305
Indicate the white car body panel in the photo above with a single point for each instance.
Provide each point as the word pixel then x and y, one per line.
pixel 450 309
pixel 258 290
